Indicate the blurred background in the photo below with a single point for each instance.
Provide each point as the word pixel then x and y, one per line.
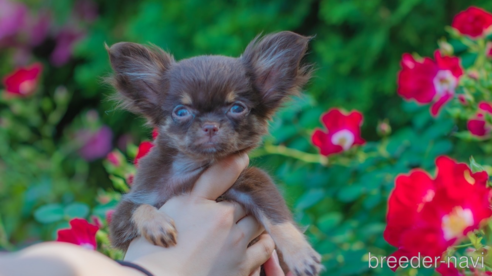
pixel 56 133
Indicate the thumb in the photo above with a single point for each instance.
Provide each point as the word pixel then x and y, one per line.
pixel 217 179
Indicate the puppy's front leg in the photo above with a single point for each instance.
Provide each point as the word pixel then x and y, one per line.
pixel 257 192
pixel 157 227
pixel 131 220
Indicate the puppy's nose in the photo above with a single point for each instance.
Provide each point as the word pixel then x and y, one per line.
pixel 210 128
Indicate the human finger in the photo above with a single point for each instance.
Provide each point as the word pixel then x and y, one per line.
pixel 272 266
pixel 217 179
pixel 250 227
pixel 239 211
pixel 256 272
pixel 260 252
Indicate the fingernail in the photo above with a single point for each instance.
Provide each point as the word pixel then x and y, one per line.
pixel 275 256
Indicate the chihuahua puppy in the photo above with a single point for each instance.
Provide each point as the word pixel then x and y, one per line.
pixel 206 108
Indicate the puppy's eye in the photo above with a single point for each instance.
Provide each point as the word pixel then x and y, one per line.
pixel 237 108
pixel 181 112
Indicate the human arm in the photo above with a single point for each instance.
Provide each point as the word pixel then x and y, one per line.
pixel 212 239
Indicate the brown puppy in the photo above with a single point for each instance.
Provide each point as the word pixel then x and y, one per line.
pixel 205 108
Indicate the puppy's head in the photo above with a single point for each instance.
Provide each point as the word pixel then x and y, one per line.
pixel 210 106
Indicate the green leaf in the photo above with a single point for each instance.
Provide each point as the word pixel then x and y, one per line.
pixel 119 183
pixel 329 221
pixel 468 59
pixel 310 198
pixel 77 210
pixel 372 200
pixel 475 167
pixel 101 210
pixel 440 147
pixel 350 193
pixel 49 213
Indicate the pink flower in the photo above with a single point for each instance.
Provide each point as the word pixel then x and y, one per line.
pixel 478 126
pixel 103 199
pixel 39 28
pixel 23 81
pixel 114 158
pixel 473 22
pixel 95 145
pixel 109 216
pixel 86 10
pixel 143 149
pixel 96 221
pixel 427 81
pixel 129 179
pixel 462 99
pixel 343 132
pixel 65 40
pixel 12 18
pixel 81 232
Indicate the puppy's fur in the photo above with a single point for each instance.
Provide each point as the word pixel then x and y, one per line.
pixel 206 108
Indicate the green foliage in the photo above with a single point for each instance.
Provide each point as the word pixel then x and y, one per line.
pixel 356 51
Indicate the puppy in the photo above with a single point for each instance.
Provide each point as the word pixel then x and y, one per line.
pixel 206 108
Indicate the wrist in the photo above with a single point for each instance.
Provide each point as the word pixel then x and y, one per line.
pixel 156 267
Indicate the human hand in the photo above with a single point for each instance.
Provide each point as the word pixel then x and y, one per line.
pixel 272 267
pixel 212 236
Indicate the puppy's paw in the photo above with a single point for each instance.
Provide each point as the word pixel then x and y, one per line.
pixel 297 253
pixel 156 227
pixel 303 261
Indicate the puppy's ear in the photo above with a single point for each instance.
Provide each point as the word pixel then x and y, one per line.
pixel 274 62
pixel 139 77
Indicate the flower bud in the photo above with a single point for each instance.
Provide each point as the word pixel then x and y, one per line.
pixel 92 116
pixel 383 128
pixel 103 199
pixel 114 158
pixel 445 48
pixel 462 99
pixel 473 74
pixel 109 216
pixel 96 221
pixel 129 179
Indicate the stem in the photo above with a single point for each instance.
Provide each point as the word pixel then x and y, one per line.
pixel 292 153
pixel 4 241
pixel 463 245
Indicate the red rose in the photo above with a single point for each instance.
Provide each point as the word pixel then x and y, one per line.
pixel 426 216
pixel 427 81
pixel 448 269
pixel 143 150
pixel 80 233
pixel 155 132
pixel 473 22
pixel 23 81
pixel 343 132
pixel 478 126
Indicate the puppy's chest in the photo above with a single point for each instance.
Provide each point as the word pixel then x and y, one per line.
pixel 183 174
pixel 175 179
